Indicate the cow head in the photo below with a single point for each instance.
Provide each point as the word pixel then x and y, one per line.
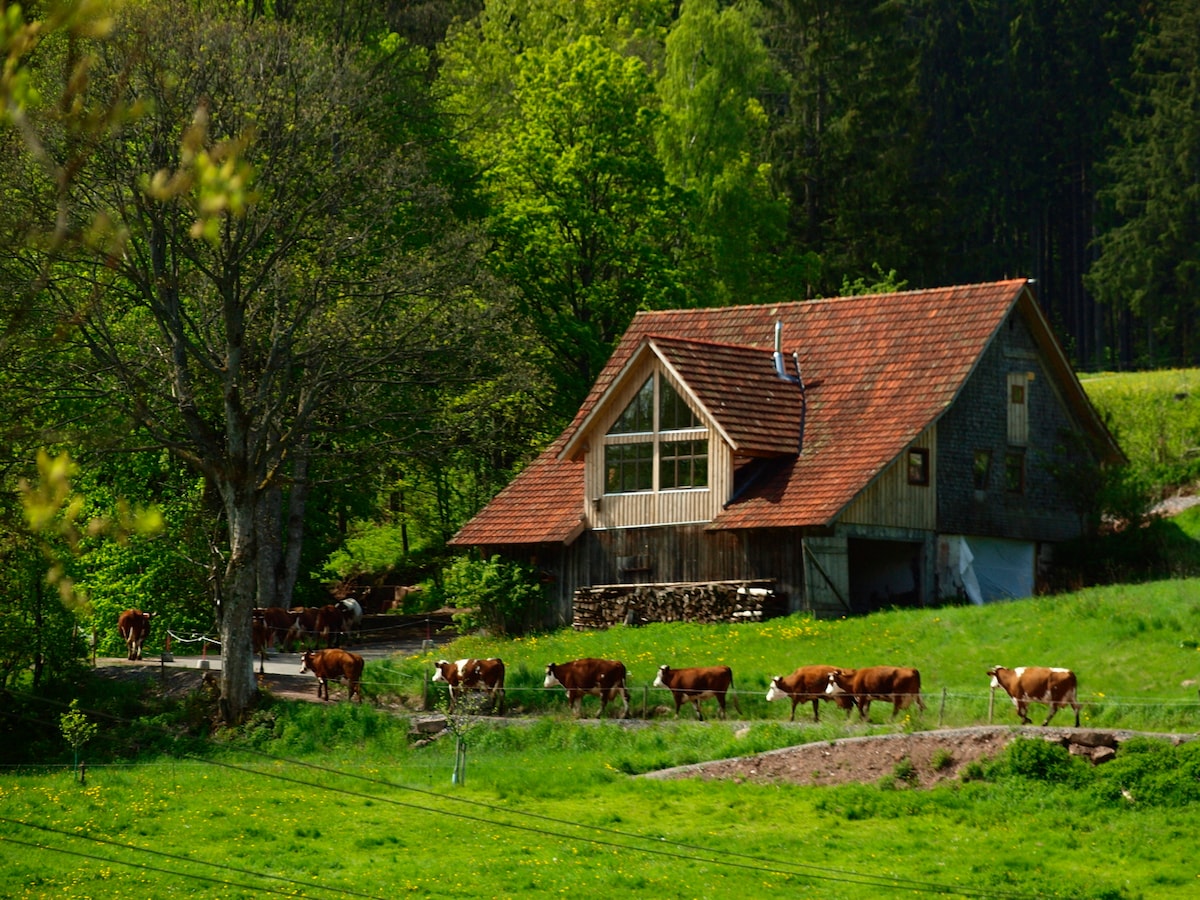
pixel 836 682
pixel 994 674
pixel 551 675
pixel 306 661
pixel 443 670
pixel 664 673
pixel 776 691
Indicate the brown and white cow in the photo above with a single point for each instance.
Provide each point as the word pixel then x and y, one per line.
pixel 698 683
pixel 1037 684
pixel 603 677
pixel 134 627
pixel 898 684
pixel 485 675
pixel 807 683
pixel 337 664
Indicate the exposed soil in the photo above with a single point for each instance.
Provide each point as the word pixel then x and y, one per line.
pixel 927 757
pixel 921 759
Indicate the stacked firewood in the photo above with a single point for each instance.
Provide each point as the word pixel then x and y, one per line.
pixel 709 601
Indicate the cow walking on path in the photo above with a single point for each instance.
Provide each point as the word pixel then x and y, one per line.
pixel 807 683
pixel 899 685
pixel 603 677
pixel 134 627
pixel 337 664
pixel 696 684
pixel 485 675
pixel 1037 684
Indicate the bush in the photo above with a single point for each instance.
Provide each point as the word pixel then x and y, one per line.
pixel 1038 760
pixel 503 596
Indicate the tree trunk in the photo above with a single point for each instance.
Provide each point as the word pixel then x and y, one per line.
pixel 270 549
pixel 239 689
pixel 297 500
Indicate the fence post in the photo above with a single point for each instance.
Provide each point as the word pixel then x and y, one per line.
pixel 991 703
pixel 942 709
pixel 645 696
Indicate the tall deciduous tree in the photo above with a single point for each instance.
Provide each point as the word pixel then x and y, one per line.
pixel 241 344
pixel 585 225
pixel 711 140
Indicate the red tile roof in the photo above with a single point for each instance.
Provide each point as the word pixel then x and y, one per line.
pixel 879 370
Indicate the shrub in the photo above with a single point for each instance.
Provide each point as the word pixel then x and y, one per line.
pixel 502 595
pixel 1038 760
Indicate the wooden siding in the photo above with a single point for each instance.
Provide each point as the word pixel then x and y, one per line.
pixel 892 501
pixel 1018 413
pixel 827 575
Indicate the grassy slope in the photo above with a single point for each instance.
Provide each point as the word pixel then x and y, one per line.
pixel 1155 417
pixel 1133 648
pixel 399 831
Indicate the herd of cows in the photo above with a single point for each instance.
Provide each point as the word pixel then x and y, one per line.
pixel 849 688
pixel 607 678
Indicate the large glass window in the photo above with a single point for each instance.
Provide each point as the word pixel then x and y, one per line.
pixel 682 464
pixel 673 412
pixel 638 416
pixel 628 467
pixel 675 456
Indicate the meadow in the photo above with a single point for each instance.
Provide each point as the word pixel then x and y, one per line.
pixel 331 800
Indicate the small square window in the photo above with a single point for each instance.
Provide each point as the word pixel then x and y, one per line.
pixel 1014 472
pixel 918 466
pixel 982 469
pixel 1017 394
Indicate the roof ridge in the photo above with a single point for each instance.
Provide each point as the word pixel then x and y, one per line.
pixel 657 336
pixel 1007 283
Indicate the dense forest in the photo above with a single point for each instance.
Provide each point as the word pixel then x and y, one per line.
pixel 290 289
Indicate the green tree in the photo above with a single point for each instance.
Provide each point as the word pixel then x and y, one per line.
pixel 1149 260
pixel 845 132
pixel 584 223
pixel 712 143
pixel 241 339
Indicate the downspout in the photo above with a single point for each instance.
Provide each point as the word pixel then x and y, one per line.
pixel 797 379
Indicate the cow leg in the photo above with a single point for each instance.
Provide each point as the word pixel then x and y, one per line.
pixel 864 708
pixel 699 715
pixel 1053 709
pixel 816 710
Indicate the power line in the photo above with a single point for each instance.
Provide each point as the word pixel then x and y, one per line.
pixel 820 873
pixel 158 869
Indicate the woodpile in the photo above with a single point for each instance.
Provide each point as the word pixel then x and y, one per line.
pixel 709 601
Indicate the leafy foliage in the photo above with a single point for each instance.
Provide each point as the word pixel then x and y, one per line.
pixel 504 596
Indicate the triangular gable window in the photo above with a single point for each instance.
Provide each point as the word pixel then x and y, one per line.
pixel 638 416
pixel 656 444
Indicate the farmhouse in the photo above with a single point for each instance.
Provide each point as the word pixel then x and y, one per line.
pixel 849 453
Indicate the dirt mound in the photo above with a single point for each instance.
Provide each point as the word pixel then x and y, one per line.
pixel 921 759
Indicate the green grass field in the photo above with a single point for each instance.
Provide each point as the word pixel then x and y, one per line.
pixel 334 800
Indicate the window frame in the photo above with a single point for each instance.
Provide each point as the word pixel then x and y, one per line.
pixel 696 434
pixel 917 470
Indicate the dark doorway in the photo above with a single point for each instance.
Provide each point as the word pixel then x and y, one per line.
pixel 884 574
